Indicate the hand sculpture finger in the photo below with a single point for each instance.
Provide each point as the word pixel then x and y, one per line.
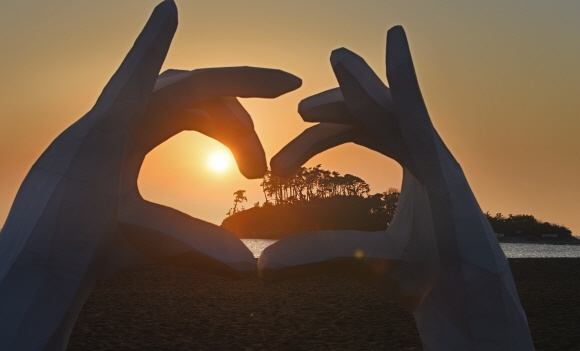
pixel 213 90
pixel 338 126
pixel 311 142
pixel 369 102
pixel 229 123
pixel 221 118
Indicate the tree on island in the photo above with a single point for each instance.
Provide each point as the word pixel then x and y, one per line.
pixel 238 199
pixel 311 183
pixel 524 226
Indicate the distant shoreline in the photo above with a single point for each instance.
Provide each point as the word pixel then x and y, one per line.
pixel 557 241
pixel 505 240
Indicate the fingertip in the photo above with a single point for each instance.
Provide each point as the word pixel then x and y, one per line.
pixel 273 82
pixel 280 168
pixel 254 171
pixel 287 82
pixel 340 54
pixel 396 29
pixel 169 6
pixel 398 51
pixel 294 81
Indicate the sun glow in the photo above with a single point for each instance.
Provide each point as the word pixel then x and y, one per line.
pixel 218 162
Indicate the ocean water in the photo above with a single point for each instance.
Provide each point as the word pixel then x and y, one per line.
pixel 258 245
pixel 539 250
pixel 510 250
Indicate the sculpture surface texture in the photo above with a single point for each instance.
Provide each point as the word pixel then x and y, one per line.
pixel 78 215
pixel 439 257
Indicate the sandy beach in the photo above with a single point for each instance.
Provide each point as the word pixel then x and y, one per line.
pixel 174 308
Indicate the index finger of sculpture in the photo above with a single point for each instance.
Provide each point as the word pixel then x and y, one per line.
pixel 220 116
pixel 227 116
pixel 318 139
pixel 176 92
pixel 229 123
pixel 309 143
pixel 369 101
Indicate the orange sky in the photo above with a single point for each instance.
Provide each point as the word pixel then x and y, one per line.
pixel 501 81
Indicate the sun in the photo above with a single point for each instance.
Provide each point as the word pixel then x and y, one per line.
pixel 218 162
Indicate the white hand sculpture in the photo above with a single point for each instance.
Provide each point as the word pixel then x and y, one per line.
pixel 78 215
pixel 439 257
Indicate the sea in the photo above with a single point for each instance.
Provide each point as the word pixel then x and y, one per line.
pixel 511 250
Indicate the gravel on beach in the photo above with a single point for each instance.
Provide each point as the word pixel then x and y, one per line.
pixel 175 308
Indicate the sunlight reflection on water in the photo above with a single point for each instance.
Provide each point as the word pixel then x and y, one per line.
pixel 258 245
pixel 511 250
pixel 539 251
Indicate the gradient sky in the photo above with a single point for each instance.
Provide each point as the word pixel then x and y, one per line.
pixel 501 81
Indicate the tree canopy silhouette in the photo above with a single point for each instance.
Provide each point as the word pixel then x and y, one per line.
pixel 313 199
pixel 524 225
pixel 311 183
pixel 238 199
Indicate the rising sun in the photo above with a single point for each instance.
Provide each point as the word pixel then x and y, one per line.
pixel 218 162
